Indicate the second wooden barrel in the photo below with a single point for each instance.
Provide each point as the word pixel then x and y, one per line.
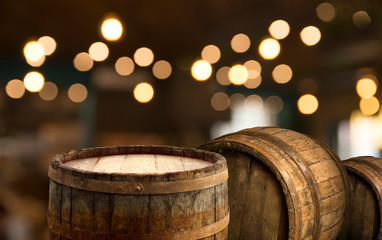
pixel 282 185
pixel 364 219
pixel 138 192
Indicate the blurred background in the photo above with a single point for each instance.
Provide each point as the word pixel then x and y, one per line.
pixel 76 74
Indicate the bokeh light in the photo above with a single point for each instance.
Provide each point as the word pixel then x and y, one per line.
pixel 238 74
pixel 361 19
pixel 240 43
pixel 211 53
pixel 162 69
pixel 254 68
pixel 37 63
pixel 254 100
pixel 49 44
pixel 143 92
pixel 369 106
pixel 112 29
pixel 220 101
pixel 222 76
pixel 307 104
pixel 201 70
pixel 49 91
pixel 77 93
pixel 98 51
pixel 274 104
pixel 236 101
pixel 310 35
pixel 269 48
pixel 124 66
pixel 143 56
pixel 279 29
pixel 366 87
pixel 83 62
pixel 34 81
pixel 326 12
pixel 253 83
pixel 282 73
pixel 15 89
pixel 33 51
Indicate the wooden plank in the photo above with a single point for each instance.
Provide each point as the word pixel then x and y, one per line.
pixel 130 214
pixel 66 208
pixel 238 170
pixel 109 164
pixel 82 209
pixel 84 164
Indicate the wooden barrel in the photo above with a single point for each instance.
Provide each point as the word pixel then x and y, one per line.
pixel 282 185
pixel 364 219
pixel 138 192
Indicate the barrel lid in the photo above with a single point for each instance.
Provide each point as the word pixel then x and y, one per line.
pixel 210 170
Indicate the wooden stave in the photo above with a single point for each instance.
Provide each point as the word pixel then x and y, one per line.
pixel 252 133
pixel 221 211
pixel 365 168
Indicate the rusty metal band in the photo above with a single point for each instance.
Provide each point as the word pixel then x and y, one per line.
pixel 137 188
pixel 307 173
pixel 195 233
pixel 233 139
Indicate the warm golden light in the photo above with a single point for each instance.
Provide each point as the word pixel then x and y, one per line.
pixel 124 66
pixel 162 69
pixel 279 29
pixel 98 51
pixel 49 44
pixel 282 73
pixel 34 51
pixel 143 56
pixel 83 62
pixel 211 53
pixel 49 91
pixel 361 19
pixel 143 92
pixel 240 43
pixel 269 48
pixel 307 104
pixel 254 101
pixel 274 104
pixel 111 29
pixel 15 89
pixel 369 106
pixel 254 68
pixel 236 101
pixel 34 81
pixel 222 76
pixel 238 74
pixel 310 35
pixel 36 63
pixel 77 93
pixel 220 101
pixel 201 70
pixel 326 12
pixel 366 87
pixel 253 83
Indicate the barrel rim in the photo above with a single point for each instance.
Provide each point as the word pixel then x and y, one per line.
pixel 219 162
pixel 288 190
pixel 377 188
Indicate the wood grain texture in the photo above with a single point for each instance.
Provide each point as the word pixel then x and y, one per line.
pixel 364 219
pixel 282 185
pixel 82 214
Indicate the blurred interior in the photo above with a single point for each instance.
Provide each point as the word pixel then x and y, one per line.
pixel 181 73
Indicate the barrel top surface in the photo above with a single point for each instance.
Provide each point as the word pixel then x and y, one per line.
pixel 139 163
